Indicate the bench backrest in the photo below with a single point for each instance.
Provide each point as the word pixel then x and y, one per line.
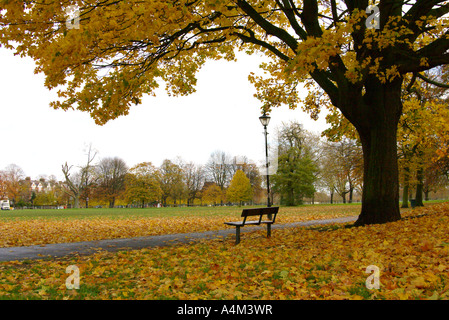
pixel 260 212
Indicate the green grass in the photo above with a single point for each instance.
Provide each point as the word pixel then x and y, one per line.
pixel 118 213
pixel 123 213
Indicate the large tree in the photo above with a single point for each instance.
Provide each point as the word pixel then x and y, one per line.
pixel 119 49
pixel 142 184
pixel 294 177
pixel 171 181
pixel 296 172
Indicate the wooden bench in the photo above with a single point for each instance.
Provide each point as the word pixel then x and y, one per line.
pixel 271 212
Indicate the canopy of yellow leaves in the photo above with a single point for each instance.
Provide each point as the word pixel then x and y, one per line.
pixel 297 263
pixel 121 50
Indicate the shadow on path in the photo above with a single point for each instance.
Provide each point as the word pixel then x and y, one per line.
pixel 90 247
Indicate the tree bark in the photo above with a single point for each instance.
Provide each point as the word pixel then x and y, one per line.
pixel 419 188
pixel 112 202
pixel 380 196
pixel 406 188
pixel 76 201
pixel 405 196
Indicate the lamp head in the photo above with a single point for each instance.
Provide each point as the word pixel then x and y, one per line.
pixel 264 119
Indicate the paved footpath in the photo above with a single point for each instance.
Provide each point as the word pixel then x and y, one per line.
pixel 90 247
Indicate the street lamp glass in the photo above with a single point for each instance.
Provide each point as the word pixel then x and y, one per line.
pixel 264 119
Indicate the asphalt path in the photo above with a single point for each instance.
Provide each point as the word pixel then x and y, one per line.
pixel 90 247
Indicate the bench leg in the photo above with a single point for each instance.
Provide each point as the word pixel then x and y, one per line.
pixel 268 230
pixel 237 234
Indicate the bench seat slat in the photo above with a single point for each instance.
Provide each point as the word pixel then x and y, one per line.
pixel 252 222
pixel 237 223
pixel 240 223
pixel 259 222
pixel 267 221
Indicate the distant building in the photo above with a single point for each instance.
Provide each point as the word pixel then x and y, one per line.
pixel 40 185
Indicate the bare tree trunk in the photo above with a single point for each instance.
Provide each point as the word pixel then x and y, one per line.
pixel 73 187
pixel 419 188
pixel 405 196
pixel 406 188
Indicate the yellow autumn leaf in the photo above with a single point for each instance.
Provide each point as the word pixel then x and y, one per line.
pixel 419 283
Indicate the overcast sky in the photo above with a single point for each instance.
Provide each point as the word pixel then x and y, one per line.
pixel 221 115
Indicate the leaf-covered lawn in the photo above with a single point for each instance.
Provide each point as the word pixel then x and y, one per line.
pixel 298 263
pixel 51 228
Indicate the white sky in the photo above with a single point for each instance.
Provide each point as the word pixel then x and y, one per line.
pixel 221 115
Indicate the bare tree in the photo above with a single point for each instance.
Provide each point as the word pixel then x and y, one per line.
pixel 194 180
pixel 12 175
pixel 72 184
pixel 88 176
pixel 78 184
pixel 111 178
pixel 218 168
pixel 342 170
pixel 3 186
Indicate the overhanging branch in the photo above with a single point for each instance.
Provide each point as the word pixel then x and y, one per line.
pixel 269 28
pixel 263 44
pixel 433 82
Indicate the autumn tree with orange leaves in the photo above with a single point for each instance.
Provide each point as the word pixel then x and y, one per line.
pixel 120 50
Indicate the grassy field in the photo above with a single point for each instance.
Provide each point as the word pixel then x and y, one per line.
pixel 165 212
pixel 112 213
pixel 316 210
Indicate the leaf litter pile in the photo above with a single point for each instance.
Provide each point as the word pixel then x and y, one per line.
pixel 327 262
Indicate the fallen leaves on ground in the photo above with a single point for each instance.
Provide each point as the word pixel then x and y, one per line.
pixel 412 256
pixel 46 231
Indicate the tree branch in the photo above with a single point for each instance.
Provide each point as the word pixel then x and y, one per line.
pixel 267 26
pixel 412 82
pixel 290 14
pixel 254 40
pixel 435 83
pixel 309 18
pixel 437 47
pixel 419 9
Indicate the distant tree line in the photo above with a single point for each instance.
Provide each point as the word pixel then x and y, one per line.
pixel 306 164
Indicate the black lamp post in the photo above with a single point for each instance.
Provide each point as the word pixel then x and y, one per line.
pixel 265 120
